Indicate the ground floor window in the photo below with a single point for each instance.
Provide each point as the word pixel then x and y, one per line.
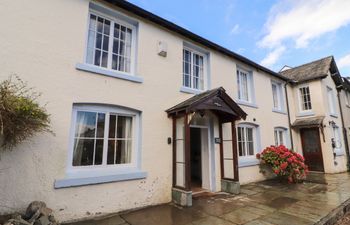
pixel 280 136
pixel 246 140
pixel 103 136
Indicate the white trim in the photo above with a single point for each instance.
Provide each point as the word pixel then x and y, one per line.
pixel 123 20
pixel 250 87
pixel 280 97
pixel 251 159
pixel 193 49
pixel 111 73
pixel 77 172
pixel 300 101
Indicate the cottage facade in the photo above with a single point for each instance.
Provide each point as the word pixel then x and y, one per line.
pixel 143 110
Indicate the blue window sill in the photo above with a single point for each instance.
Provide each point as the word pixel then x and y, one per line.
pixel 279 111
pixel 249 104
pixel 106 72
pixel 306 114
pixel 81 181
pixel 247 162
pixel 190 90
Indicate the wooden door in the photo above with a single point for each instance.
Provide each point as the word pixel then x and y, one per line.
pixel 311 144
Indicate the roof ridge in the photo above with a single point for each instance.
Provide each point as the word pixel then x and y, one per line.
pixel 305 64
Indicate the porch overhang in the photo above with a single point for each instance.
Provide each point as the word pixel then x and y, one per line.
pixel 215 100
pixel 308 122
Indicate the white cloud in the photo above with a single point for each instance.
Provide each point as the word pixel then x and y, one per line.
pixel 300 22
pixel 273 56
pixel 344 61
pixel 234 30
pixel 304 20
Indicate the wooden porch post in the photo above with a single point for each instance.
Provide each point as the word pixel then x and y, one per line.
pixel 174 151
pixel 187 154
pixel 234 149
pixel 221 151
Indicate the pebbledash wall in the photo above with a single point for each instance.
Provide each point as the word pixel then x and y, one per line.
pixel 42 42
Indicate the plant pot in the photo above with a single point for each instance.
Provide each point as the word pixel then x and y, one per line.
pixel 266 170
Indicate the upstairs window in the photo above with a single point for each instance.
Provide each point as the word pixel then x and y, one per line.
pixel 347 98
pixel 193 69
pixel 277 96
pixel 305 98
pixel 110 43
pixel 331 101
pixel 245 86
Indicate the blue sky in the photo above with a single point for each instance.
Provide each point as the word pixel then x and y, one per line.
pixel 270 32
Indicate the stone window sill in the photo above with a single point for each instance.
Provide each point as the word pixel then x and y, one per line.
pixel 110 73
pixel 89 180
pixel 249 104
pixel 190 90
pixel 279 111
pixel 247 162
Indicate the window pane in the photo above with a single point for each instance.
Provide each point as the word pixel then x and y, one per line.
pixel 98 152
pixel 92 24
pixel 281 137
pixel 100 125
pixel 250 148
pixel 85 124
pixel 98 41
pixel 115 62
pixel 128 36
pixel 276 137
pixel 99 24
pixel 83 152
pixel 97 58
pixel 124 127
pixel 111 152
pixel 105 42
pixel 122 33
pixel 90 47
pixel 123 153
pixel 112 122
pixel 104 59
pixel 116 30
pixel 106 27
pixel 121 63
pixel 249 134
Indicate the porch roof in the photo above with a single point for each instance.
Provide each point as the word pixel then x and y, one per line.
pixel 216 100
pixel 308 122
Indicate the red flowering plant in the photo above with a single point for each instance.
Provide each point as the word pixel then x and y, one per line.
pixel 284 162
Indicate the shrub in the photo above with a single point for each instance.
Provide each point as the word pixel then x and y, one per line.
pixel 21 116
pixel 284 163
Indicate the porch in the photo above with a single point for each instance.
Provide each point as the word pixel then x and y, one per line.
pixel 324 198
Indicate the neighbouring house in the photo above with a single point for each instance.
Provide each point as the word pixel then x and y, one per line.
pixel 344 97
pixel 146 112
pixel 317 124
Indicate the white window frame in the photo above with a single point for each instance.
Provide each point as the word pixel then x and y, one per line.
pixel 301 101
pixel 347 98
pixel 250 87
pixel 336 134
pixel 280 97
pixel 284 136
pixel 331 102
pixel 82 171
pixel 251 159
pixel 205 69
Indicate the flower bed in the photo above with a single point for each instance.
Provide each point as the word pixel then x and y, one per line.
pixel 284 163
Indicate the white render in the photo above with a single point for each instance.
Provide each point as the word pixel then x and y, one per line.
pixel 43 42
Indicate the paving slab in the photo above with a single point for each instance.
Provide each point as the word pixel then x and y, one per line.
pixel 319 200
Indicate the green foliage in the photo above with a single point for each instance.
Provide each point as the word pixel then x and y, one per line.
pixel 21 116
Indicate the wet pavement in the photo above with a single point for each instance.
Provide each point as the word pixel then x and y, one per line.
pixel 263 203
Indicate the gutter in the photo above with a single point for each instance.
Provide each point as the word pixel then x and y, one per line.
pixel 288 113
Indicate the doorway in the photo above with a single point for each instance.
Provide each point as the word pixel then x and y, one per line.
pixel 311 145
pixel 199 159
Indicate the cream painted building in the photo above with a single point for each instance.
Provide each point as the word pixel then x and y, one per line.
pixel 136 102
pixel 316 116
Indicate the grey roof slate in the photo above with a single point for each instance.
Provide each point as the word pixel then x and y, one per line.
pixel 309 71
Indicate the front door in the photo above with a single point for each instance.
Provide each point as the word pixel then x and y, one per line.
pixel 196 159
pixel 311 144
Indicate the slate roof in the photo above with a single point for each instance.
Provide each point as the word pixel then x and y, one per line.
pixel 201 101
pixel 309 71
pixel 188 34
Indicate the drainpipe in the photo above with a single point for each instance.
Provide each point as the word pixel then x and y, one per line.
pixel 346 141
pixel 289 122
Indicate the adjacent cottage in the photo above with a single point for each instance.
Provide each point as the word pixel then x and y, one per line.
pixel 146 112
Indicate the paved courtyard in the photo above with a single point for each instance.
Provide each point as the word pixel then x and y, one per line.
pixel 262 203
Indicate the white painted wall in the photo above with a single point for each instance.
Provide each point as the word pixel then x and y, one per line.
pixel 41 41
